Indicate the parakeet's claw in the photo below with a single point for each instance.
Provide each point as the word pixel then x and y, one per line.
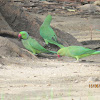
pixel 76 61
pixel 46 45
pixel 54 39
pixel 35 54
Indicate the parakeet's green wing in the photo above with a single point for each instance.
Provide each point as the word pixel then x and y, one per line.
pixel 49 36
pixel 79 50
pixel 28 46
pixel 36 45
pixel 47 33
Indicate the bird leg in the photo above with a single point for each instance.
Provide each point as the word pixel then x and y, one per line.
pixel 46 45
pixel 46 41
pixel 77 59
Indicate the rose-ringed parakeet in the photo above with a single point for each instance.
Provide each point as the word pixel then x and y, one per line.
pixel 76 52
pixel 47 32
pixel 31 44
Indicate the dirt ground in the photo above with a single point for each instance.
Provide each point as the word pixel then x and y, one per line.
pixel 55 78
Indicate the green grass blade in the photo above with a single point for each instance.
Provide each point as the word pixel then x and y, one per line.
pixel 90 96
pixel 52 94
pixel 2 97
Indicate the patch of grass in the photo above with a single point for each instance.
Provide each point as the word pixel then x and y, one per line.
pixel 90 97
pixel 2 97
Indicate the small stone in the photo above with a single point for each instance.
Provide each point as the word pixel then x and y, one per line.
pixel 75 72
pixel 76 81
pixel 25 85
pixel 48 84
pixel 0 65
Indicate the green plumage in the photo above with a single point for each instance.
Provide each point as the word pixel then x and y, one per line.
pixel 77 52
pixel 47 32
pixel 32 45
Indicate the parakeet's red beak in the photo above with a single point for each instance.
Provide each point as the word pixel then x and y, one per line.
pixel 58 56
pixel 19 36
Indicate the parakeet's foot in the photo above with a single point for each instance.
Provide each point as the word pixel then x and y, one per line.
pixel 46 41
pixel 46 45
pixel 82 61
pixel 77 61
pixel 50 53
pixel 35 54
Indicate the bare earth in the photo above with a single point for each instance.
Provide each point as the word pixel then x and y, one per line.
pixel 55 79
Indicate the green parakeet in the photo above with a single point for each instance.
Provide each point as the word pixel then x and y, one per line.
pixel 47 32
pixel 76 52
pixel 31 44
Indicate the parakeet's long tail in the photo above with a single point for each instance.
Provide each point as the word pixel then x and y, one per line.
pixel 54 42
pixel 59 45
pixel 53 52
pixel 47 20
pixel 50 52
pixel 96 52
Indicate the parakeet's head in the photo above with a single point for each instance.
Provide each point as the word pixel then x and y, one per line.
pixel 61 52
pixel 47 20
pixel 49 17
pixel 23 35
